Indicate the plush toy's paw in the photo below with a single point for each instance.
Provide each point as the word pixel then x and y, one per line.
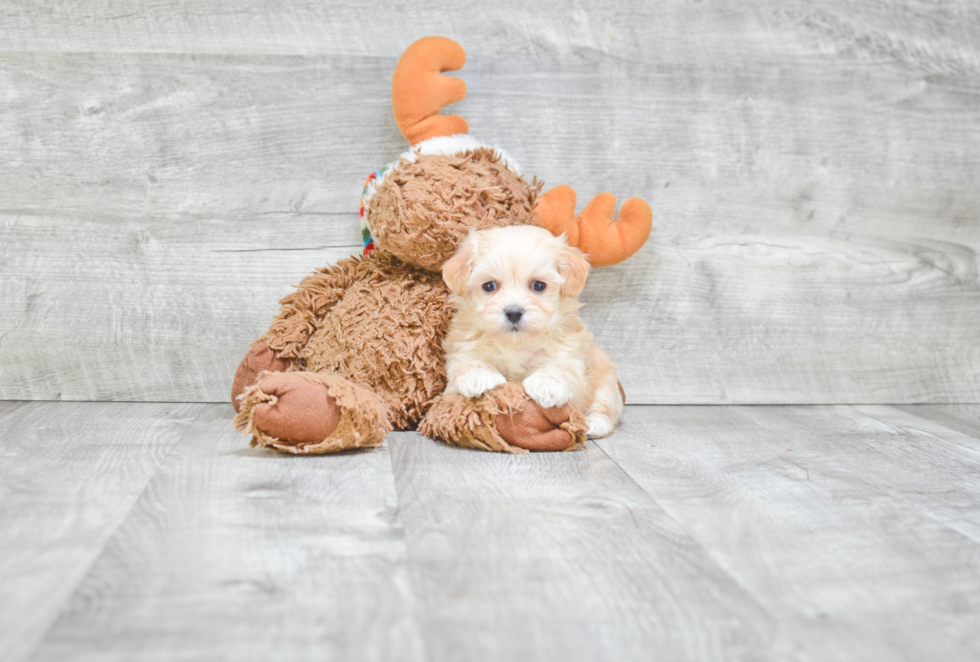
pixel 299 410
pixel 260 358
pixel 504 420
pixel 600 426
pixel 303 412
pixel 536 428
pixel 478 381
pixel 547 390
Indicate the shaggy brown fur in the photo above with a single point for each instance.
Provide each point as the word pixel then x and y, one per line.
pixel 363 420
pixel 447 195
pixel 359 344
pixel 383 332
pixel 475 423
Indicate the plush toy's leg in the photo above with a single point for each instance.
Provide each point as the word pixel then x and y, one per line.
pixel 504 420
pixel 260 358
pixel 310 412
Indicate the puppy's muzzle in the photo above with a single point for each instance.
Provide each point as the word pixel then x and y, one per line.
pixel 514 314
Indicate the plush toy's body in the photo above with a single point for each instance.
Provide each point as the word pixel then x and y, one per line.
pixel 357 349
pixel 324 332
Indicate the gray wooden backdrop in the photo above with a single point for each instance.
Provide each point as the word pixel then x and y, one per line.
pixel 169 170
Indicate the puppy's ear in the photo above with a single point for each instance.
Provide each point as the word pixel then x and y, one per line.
pixel 456 272
pixel 574 269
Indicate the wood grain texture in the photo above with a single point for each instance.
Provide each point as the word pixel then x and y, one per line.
pixel 240 554
pixel 709 533
pixel 856 529
pixel 562 557
pixel 8 407
pixel 635 30
pixel 813 172
pixel 943 481
pixel 144 310
pixel 69 474
pixel 963 418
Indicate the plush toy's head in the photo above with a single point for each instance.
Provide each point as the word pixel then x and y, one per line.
pixel 426 207
pixel 422 207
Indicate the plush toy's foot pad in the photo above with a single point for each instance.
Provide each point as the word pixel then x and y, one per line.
pixel 538 428
pixel 259 359
pixel 309 412
pixel 504 420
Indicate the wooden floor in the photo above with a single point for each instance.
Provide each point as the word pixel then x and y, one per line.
pixel 153 532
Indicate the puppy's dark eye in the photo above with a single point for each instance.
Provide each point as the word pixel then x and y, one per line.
pixel 538 286
pixel 489 286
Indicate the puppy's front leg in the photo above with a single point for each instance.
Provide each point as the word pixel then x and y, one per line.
pixel 555 384
pixel 473 378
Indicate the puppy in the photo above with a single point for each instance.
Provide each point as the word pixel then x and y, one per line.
pixel 516 318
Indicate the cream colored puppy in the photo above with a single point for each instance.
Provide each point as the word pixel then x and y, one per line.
pixel 516 318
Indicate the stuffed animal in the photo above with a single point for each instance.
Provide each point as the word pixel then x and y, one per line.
pixel 357 349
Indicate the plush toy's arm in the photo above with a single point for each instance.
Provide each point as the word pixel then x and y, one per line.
pixel 301 311
pixel 604 239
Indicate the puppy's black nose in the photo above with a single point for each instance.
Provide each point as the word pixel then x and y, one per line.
pixel 514 314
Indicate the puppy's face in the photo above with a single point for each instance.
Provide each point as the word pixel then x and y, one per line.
pixel 515 278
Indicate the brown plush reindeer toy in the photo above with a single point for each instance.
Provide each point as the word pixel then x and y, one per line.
pixel 357 350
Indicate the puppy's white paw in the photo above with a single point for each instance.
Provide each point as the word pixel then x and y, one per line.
pixel 546 390
pixel 477 382
pixel 600 426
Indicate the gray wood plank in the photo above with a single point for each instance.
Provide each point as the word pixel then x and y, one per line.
pixel 154 309
pixel 69 474
pixel 810 533
pixel 851 530
pixel 628 29
pixel 940 429
pixel 8 407
pixel 812 170
pixel 561 556
pixel 943 477
pixel 240 554
pixel 110 134
pixel 915 463
pixel 964 418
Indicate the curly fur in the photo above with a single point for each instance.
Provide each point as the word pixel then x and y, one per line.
pixel 371 328
pixel 363 423
pixel 472 423
pixel 446 196
pixel 401 312
pixel 357 348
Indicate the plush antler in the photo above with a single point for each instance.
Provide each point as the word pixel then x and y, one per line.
pixel 604 240
pixel 419 90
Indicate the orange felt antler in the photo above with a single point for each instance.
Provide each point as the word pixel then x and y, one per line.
pixel 419 90
pixel 603 239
